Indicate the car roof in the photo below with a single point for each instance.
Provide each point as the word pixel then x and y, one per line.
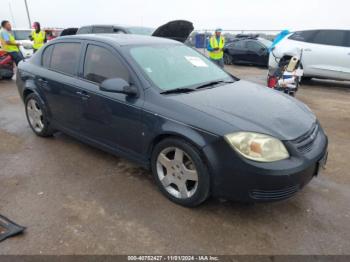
pixel 120 39
pixel 114 25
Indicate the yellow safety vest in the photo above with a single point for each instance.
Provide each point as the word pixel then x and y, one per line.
pixel 9 48
pixel 38 39
pixel 216 55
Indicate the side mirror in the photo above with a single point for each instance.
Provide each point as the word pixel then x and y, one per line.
pixel 118 85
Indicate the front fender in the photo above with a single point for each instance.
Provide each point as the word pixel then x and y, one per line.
pixel 162 127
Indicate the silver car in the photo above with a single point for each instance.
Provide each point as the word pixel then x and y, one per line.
pixel 325 53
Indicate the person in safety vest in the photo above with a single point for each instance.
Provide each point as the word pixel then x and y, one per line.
pixel 216 48
pixel 8 42
pixel 38 37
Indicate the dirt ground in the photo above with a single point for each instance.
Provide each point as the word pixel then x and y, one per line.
pixel 75 199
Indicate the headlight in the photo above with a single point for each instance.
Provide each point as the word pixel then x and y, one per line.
pixel 257 147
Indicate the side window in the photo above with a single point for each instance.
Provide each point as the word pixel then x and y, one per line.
pixel 304 36
pixel 253 46
pixel 65 58
pixel 100 64
pixel 330 37
pixel 347 41
pixel 85 30
pixel 240 44
pixel 102 30
pixel 46 56
pixel 118 31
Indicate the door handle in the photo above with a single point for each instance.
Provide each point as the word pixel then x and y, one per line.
pixel 83 94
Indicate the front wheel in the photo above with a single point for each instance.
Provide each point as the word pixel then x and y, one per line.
pixel 37 116
pixel 180 172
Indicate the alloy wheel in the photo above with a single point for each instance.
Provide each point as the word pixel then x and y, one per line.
pixel 35 115
pixel 177 173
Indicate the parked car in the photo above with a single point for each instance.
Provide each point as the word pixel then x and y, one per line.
pixel 180 29
pixel 114 29
pixel 22 36
pixel 247 50
pixel 167 107
pixel 326 53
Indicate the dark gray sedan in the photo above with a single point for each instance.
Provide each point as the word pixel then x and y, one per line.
pixel 200 130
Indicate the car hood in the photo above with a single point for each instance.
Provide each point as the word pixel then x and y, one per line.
pixel 178 30
pixel 250 107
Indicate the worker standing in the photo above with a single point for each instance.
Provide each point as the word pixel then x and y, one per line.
pixel 216 48
pixel 9 43
pixel 38 36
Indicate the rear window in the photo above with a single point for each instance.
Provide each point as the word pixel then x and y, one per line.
pixel 330 37
pixel 303 36
pixel 65 58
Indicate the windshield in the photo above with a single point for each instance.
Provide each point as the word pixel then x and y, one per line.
pixel 176 66
pixel 22 34
pixel 141 30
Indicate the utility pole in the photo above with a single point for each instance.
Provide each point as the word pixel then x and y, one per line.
pixel 30 23
pixel 13 18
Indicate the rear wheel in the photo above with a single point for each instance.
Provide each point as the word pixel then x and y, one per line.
pixel 305 79
pixel 227 59
pixel 180 172
pixel 8 77
pixel 37 116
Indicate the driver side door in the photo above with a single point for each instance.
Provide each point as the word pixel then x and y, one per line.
pixel 111 119
pixel 255 53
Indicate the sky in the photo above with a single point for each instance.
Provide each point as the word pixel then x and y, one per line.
pixel 227 14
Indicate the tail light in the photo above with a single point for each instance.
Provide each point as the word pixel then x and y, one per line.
pixel 272 81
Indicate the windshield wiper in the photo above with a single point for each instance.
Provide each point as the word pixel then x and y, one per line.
pixel 179 90
pixel 213 83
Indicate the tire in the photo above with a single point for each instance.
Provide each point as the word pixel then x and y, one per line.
pixel 36 114
pixel 185 182
pixel 7 77
pixel 227 59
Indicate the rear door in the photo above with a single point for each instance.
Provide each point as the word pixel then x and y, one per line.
pixel 110 118
pixel 327 55
pixel 59 84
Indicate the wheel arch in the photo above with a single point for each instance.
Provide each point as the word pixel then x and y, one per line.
pixel 197 138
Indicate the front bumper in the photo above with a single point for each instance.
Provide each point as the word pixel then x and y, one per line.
pixel 236 178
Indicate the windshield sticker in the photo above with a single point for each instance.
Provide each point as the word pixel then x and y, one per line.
pixel 196 61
